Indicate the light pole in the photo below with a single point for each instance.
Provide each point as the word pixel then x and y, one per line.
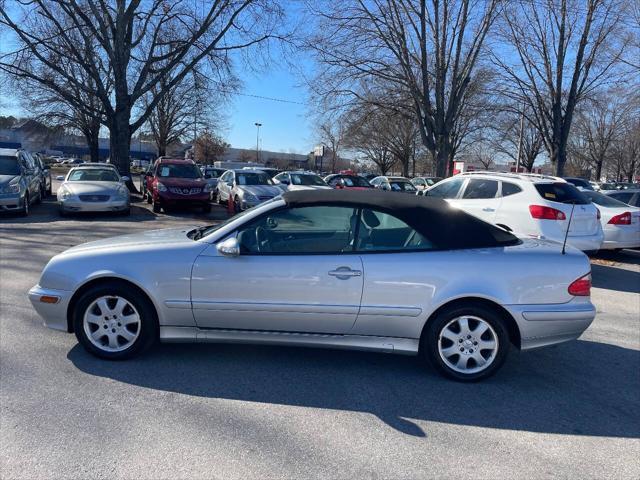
pixel 258 125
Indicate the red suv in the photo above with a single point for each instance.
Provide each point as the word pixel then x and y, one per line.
pixel 174 182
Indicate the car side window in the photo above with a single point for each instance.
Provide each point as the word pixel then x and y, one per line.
pixel 379 231
pixel 448 189
pixel 510 189
pixel 480 188
pixel 623 197
pixel 303 230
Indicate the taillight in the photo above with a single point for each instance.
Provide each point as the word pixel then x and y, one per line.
pixel 622 219
pixel 581 287
pixel 546 213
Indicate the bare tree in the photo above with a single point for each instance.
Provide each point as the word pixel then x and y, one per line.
pixel 428 49
pixel 331 133
pixel 209 148
pixel 139 42
pixel 599 122
pixel 507 140
pixel 561 52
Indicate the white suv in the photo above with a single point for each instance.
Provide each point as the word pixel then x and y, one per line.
pixel 527 204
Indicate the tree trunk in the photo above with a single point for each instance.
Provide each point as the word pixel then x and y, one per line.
pixel 598 170
pixel 442 162
pixel 120 144
pixel 94 147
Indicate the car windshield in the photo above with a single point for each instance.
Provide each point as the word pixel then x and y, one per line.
pixel 253 178
pixel 607 186
pixel 305 179
pixel 561 192
pixel 214 172
pixel 604 200
pixel 9 166
pixel 93 175
pixel 179 170
pixel 402 186
pixel 354 181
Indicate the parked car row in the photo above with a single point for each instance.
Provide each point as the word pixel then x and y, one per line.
pixel 24 180
pixel 547 207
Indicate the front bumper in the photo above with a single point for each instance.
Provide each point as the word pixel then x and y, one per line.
pixel 76 205
pixel 172 199
pixel 11 201
pixel 54 314
pixel 544 325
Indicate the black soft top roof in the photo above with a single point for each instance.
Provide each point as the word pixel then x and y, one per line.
pixel 445 226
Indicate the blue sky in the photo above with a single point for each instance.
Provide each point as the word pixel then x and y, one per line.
pixel 285 126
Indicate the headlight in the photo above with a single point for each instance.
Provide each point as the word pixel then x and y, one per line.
pixel 208 187
pixel 122 192
pixel 11 188
pixel 161 187
pixel 248 197
pixel 64 193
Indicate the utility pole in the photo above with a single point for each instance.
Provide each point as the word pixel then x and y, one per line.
pixel 258 125
pixel 520 140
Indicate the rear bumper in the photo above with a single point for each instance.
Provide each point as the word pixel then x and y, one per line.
pixel 543 325
pixel 623 236
pixel 586 243
pixel 54 314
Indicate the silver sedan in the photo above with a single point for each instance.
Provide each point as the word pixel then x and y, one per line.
pixel 93 188
pixel 327 268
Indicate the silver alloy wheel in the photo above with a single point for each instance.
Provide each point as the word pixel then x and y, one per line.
pixel 468 344
pixel 111 323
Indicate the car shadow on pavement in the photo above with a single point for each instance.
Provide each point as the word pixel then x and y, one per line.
pixel 580 388
pixel 614 278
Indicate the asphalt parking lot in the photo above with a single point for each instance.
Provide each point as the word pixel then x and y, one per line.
pixel 225 411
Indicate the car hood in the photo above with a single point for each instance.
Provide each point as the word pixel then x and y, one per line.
pixel 7 178
pixel 261 190
pixel 136 241
pixel 92 188
pixel 182 182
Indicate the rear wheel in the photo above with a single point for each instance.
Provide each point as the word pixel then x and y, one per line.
pixel 112 322
pixel 156 207
pixel 236 205
pixel 466 343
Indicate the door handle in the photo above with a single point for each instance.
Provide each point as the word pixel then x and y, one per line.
pixel 343 273
pixel 488 209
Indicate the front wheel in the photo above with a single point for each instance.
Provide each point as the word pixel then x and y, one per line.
pixel 156 207
pixel 24 211
pixel 467 343
pixel 112 322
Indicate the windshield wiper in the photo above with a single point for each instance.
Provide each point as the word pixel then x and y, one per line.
pixel 197 233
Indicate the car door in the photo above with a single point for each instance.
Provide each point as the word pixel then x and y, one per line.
pixel 31 176
pixel 296 272
pixel 224 185
pixel 398 282
pixel 480 197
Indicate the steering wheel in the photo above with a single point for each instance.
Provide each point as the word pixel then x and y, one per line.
pixel 261 236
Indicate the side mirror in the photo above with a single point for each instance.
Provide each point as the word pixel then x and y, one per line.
pixel 229 248
pixel 125 178
pixel 60 178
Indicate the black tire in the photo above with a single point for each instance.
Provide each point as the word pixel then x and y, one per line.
pixel 126 213
pixel 206 207
pixel 39 199
pixel 431 336
pixel 62 212
pixel 236 205
pixel 24 211
pixel 219 199
pixel 156 207
pixel 147 335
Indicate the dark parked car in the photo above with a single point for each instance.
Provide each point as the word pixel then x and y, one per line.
pixel 44 172
pixel 630 196
pixel 174 182
pixel 351 182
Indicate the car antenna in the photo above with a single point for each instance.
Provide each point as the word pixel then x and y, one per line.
pixel 566 234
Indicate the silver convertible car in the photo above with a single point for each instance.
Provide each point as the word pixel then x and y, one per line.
pixel 328 268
